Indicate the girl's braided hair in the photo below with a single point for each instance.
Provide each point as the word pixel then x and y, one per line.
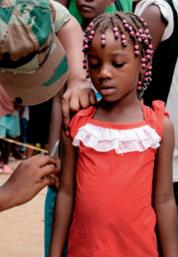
pixel 124 25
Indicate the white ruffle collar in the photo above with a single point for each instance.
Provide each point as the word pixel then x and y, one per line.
pixel 121 141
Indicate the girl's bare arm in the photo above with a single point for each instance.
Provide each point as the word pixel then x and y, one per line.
pixel 65 198
pixel 164 201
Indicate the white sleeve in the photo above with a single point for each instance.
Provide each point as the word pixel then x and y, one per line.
pixel 165 10
pixel 62 15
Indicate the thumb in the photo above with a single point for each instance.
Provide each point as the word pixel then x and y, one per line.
pixel 46 181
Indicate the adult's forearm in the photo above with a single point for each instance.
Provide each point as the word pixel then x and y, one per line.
pixel 72 43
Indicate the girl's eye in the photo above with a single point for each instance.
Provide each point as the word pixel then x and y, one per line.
pixel 93 65
pixel 118 65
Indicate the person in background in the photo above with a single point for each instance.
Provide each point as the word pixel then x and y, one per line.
pixel 75 8
pixel 27 180
pixel 120 153
pixel 164 85
pixel 122 5
pixel 24 119
pixel 9 127
pixel 38 125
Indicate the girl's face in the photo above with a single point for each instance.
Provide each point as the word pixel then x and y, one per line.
pixel 114 70
pixel 89 9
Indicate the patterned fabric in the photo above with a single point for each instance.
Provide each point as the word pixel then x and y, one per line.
pixel 33 65
pixel 29 20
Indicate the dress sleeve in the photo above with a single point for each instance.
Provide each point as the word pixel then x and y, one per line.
pixel 62 15
pixel 160 113
pixel 166 12
pixel 80 119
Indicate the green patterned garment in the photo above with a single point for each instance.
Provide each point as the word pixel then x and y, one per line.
pixel 9 20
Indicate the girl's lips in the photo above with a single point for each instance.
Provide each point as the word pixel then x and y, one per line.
pixel 107 90
pixel 86 8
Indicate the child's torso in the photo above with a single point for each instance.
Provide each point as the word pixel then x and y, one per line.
pixel 113 213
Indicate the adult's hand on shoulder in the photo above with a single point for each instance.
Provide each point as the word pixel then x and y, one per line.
pixel 79 95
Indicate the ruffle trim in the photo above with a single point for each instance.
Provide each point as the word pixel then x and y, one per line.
pixel 121 141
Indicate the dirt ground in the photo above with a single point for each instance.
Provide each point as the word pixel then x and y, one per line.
pixel 21 228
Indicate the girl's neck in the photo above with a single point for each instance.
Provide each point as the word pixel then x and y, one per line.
pixel 119 113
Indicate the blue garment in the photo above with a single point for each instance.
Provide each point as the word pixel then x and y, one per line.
pixel 10 125
pixel 48 214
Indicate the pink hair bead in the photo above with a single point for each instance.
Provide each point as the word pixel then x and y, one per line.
pixel 116 35
pixel 103 42
pixel 146 41
pixel 115 29
pixel 132 33
pixel 148 57
pixel 137 53
pixel 124 42
pixel 136 47
pixel 123 36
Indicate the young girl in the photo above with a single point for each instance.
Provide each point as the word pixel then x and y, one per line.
pixel 120 168
pixel 87 10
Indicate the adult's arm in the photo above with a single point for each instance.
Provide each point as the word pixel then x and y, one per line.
pixel 78 94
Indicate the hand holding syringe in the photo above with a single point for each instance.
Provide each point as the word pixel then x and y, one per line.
pixel 52 153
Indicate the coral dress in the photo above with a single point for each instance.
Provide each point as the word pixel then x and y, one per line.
pixel 113 215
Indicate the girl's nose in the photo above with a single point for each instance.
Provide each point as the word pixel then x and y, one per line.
pixel 105 72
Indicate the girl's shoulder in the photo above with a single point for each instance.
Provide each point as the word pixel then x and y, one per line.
pixel 155 115
pixel 80 119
